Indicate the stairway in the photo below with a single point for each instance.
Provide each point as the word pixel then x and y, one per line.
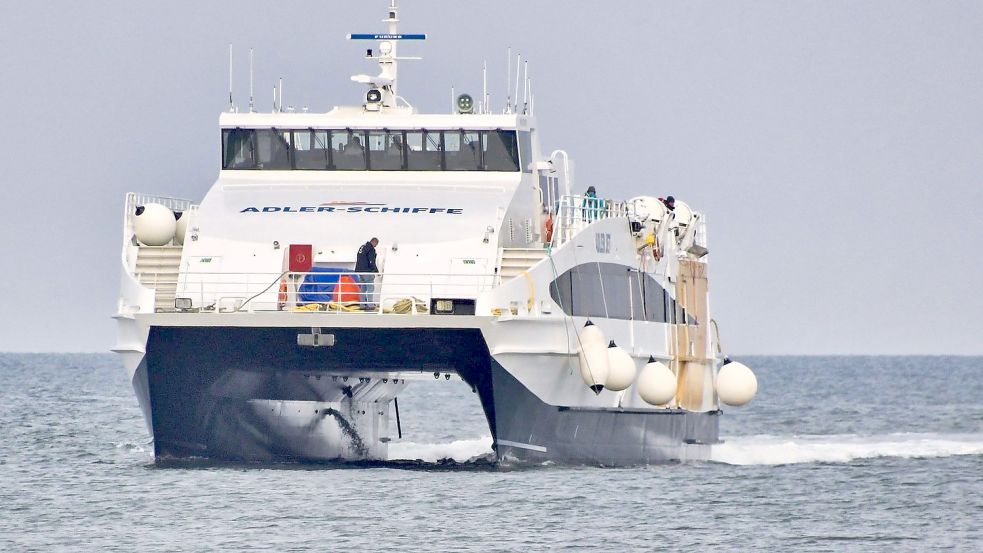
pixel 157 268
pixel 517 260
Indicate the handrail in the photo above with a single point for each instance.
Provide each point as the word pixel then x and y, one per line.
pixel 362 292
pixel 574 212
pixel 134 199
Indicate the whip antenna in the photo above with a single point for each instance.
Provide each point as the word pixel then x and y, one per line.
pixel 525 88
pixel 508 84
pixel 231 103
pixel 250 80
pixel 518 62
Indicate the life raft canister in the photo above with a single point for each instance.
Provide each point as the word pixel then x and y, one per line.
pixel 347 290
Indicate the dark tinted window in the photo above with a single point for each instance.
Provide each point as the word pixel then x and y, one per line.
pixel 613 291
pixel 561 290
pixel 238 149
pixel 348 150
pixel 462 150
pixel 588 299
pixel 657 301
pixel 617 292
pixel 385 150
pixel 311 150
pixel 423 149
pixel 637 297
pixel 272 149
pixel 501 153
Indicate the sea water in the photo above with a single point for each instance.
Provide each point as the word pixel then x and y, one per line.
pixel 835 453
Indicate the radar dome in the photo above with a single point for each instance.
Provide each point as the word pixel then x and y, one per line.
pixel 621 369
pixel 154 224
pixel 656 384
pixel 736 384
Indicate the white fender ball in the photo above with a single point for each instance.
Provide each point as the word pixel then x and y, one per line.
pixel 592 334
pixel 154 224
pixel 736 384
pixel 182 227
pixel 594 366
pixel 621 369
pixel 656 383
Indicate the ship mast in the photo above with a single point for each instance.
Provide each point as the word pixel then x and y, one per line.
pixel 389 59
pixel 382 88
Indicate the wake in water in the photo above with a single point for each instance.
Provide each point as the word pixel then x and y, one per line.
pixel 461 451
pixel 750 450
pixel 739 450
pixel 842 448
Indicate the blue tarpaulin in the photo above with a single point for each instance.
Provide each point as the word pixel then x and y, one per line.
pixel 319 286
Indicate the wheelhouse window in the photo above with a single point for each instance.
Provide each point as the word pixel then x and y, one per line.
pixel 238 149
pixel 385 150
pixel 273 149
pixel 462 150
pixel 377 150
pixel 501 153
pixel 423 150
pixel 312 150
pixel 348 150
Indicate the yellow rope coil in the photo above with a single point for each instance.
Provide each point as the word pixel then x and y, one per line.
pixel 406 305
pixel 401 307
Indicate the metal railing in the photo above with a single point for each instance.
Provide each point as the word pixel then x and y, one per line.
pixel 134 199
pixel 350 292
pixel 575 212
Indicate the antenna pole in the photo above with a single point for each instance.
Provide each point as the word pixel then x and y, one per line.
pixel 452 99
pixel 525 87
pixel 279 95
pixel 484 86
pixel 508 85
pixel 251 80
pixel 518 62
pixel 231 103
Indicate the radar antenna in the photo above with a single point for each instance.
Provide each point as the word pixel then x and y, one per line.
pixel 382 88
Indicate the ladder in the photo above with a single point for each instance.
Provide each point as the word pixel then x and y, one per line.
pixel 517 260
pixel 157 268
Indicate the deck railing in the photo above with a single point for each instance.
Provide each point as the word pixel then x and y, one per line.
pixel 134 199
pixel 387 293
pixel 575 212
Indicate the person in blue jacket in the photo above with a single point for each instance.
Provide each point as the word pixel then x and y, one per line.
pixel 591 205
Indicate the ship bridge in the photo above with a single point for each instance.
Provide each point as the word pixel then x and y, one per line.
pixel 336 142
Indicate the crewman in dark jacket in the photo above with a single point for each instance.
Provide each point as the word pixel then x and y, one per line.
pixel 365 264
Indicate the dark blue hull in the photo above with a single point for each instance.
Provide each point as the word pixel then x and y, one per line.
pixel 247 394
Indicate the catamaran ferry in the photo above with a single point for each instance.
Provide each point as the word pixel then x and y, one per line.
pixel 340 256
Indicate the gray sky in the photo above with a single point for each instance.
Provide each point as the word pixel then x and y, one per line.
pixel 835 146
